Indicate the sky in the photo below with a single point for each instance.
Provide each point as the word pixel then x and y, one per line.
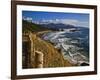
pixel 77 19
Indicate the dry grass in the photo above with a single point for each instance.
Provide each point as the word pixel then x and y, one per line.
pixel 52 57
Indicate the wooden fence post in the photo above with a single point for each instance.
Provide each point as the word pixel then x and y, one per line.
pixel 32 56
pixel 38 59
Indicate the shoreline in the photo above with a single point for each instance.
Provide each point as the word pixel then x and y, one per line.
pixel 82 58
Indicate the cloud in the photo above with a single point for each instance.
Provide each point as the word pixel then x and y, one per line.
pixel 27 18
pixel 56 21
pixel 84 24
pixel 68 21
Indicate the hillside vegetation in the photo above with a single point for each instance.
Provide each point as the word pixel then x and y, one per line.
pixel 28 26
pixel 52 57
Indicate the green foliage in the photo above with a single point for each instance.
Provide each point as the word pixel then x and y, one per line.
pixel 28 26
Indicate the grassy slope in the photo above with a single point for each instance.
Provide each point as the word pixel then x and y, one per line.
pixel 52 58
pixel 28 26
